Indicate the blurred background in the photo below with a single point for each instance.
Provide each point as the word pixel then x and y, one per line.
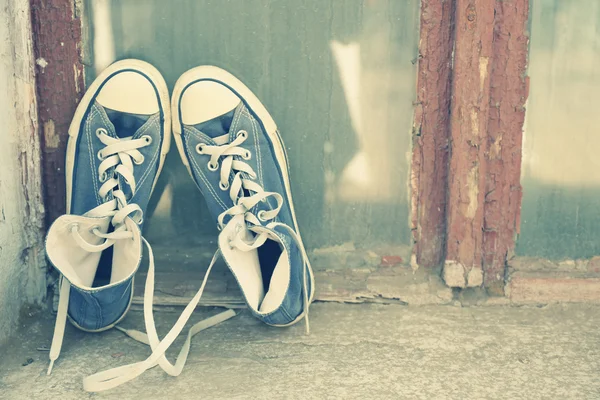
pixel 561 164
pixel 337 76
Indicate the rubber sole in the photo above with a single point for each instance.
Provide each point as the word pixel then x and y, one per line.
pixel 209 72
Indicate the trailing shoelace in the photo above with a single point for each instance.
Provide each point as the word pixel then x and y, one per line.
pixel 117 154
pixel 116 376
pixel 122 155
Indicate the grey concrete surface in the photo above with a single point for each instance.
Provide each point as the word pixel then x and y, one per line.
pixel 353 352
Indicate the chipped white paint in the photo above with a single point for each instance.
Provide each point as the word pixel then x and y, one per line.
pixel 455 275
pixel 483 72
pixel 42 62
pixel 475 277
pixel 413 263
pixel 496 147
pixel 51 139
pixel 473 191
pixel 475 122
pixel 77 74
pixel 22 261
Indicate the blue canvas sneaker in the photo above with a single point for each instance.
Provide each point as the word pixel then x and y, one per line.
pixel 118 141
pixel 231 146
pixel 233 151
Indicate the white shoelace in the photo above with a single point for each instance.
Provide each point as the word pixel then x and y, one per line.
pixel 116 376
pixel 117 153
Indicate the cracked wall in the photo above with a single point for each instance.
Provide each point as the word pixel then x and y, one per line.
pixel 22 262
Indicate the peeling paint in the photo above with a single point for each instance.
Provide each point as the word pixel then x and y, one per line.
pixel 42 63
pixel 474 122
pixel 57 30
pixel 473 190
pixel 469 118
pixel 22 261
pixel 52 140
pixel 496 147
pixel 475 277
pixel 508 93
pixel 454 274
pixel 431 127
pixel 77 74
pixel 483 72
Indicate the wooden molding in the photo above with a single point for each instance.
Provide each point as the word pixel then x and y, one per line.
pixel 59 79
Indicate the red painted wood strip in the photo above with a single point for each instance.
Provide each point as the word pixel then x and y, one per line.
pixel 429 171
pixel 508 94
pixel 59 77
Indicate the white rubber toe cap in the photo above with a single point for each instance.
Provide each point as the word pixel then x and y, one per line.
pixel 206 100
pixel 129 92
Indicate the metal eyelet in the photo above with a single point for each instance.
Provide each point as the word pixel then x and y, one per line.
pixel 147 139
pixel 140 161
pixel 224 186
pixel 94 227
pixel 242 133
pixel 261 215
pixel 212 167
pixel 200 148
pixel 100 155
pixel 101 131
pixel 247 155
pixel 103 177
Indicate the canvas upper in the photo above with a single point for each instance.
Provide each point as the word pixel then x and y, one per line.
pixel 118 140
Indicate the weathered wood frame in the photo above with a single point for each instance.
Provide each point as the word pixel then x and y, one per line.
pixel 467 137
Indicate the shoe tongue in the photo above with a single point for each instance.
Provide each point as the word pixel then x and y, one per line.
pixel 238 121
pixel 144 129
pixel 123 125
pixel 106 123
pixel 220 125
pixel 128 124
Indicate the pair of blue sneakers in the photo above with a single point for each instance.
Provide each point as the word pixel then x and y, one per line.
pixel 118 141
